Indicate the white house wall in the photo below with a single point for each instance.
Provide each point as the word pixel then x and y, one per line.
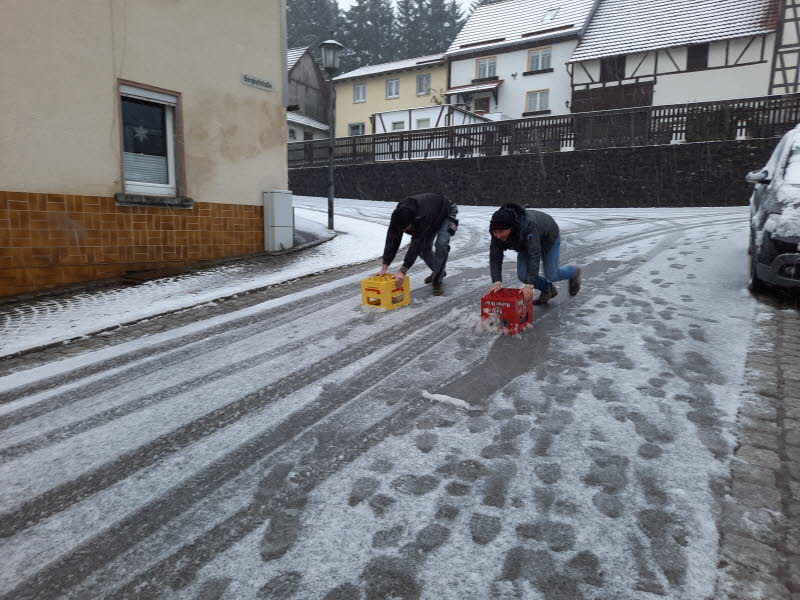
pixel 383 121
pixel 512 92
pixel 714 83
pixel 708 86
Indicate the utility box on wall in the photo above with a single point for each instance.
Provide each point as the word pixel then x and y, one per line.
pixel 278 220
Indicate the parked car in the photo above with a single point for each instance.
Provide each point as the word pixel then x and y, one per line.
pixel 775 218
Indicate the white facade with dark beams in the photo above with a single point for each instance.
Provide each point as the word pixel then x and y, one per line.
pixel 509 60
pixel 786 64
pixel 660 52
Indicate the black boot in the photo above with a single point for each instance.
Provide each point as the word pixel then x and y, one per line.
pixel 430 277
pixel 575 283
pixel 545 297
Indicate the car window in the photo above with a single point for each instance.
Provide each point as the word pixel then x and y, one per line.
pixel 780 155
pixel 792 173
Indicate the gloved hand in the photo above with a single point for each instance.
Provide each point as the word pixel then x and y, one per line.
pixel 451 229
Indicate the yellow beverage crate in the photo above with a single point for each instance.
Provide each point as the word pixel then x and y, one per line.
pixel 382 291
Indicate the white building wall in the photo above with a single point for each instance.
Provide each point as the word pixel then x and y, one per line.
pixel 715 83
pixel 410 117
pixel 722 83
pixel 510 68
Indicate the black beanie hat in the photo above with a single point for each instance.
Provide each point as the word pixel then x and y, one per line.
pixel 504 218
pixel 402 217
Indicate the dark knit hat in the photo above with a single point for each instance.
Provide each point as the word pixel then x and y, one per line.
pixel 504 218
pixel 402 217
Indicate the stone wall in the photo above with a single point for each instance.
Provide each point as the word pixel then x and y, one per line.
pixel 697 174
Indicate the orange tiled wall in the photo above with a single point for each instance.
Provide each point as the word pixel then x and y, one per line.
pixel 48 240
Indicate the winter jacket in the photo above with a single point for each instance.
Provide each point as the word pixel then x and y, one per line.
pixel 534 233
pixel 429 210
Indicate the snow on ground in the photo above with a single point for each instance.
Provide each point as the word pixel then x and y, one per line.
pixel 43 322
pixel 595 466
pixel 312 444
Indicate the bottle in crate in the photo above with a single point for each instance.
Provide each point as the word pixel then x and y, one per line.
pixel 383 291
pixel 509 309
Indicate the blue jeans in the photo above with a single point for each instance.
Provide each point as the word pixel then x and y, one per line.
pixel 552 270
pixel 435 249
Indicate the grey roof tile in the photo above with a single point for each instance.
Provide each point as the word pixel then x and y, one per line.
pixel 293 55
pixel 628 26
pixel 517 21
pixel 398 65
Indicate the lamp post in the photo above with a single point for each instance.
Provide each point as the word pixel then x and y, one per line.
pixel 331 49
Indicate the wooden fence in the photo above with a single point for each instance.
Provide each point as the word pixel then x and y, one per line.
pixel 645 126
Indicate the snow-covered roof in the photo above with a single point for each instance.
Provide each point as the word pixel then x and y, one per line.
pixel 398 65
pixel 514 22
pixel 293 55
pixel 628 26
pixel 294 117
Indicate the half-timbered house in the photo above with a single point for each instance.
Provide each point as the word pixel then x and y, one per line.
pixel 661 52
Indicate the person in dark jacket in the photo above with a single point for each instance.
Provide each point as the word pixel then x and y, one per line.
pixel 536 238
pixel 431 221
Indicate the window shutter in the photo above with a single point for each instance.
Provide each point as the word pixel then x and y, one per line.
pixel 144 168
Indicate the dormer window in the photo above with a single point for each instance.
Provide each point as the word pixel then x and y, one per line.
pixel 550 15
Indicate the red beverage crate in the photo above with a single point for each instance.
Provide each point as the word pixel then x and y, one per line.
pixel 509 309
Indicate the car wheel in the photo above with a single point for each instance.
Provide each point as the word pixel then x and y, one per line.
pixel 755 285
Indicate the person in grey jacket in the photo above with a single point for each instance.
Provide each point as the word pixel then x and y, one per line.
pixel 536 238
pixel 431 221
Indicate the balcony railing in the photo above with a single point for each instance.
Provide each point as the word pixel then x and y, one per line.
pixel 763 117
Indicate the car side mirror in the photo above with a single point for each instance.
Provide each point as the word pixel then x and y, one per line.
pixel 761 176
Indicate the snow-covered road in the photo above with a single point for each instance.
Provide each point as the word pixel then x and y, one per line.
pixel 286 450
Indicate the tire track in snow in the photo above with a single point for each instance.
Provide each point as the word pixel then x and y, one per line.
pixel 56 499
pixel 82 555
pixel 242 327
pixel 283 313
pixel 65 494
pixel 184 563
pixel 271 318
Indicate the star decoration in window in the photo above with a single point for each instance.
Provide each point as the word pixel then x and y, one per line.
pixel 140 133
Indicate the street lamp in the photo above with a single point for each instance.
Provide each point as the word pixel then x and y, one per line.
pixel 331 49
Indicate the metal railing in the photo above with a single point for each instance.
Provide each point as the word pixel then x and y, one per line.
pixel 769 116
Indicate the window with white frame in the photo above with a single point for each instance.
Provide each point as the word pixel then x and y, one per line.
pixel 423 84
pixel 398 125
pixel 292 134
pixel 148 141
pixel 540 59
pixel 538 101
pixel 486 67
pixel 550 15
pixel 392 88
pixel 355 129
pixel 423 123
pixel 360 92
